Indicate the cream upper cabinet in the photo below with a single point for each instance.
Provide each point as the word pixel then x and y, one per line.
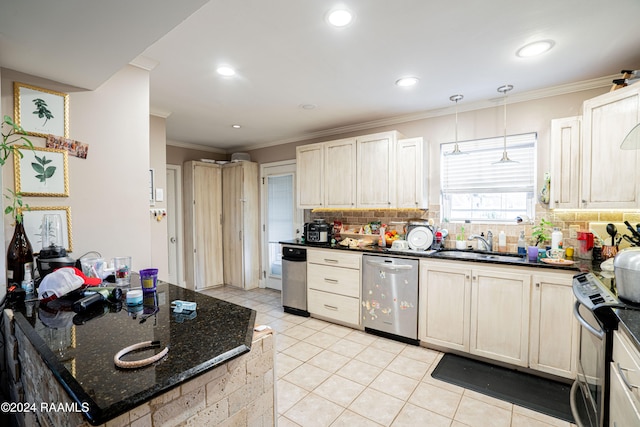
pixel 340 173
pixel 500 314
pixel 565 163
pixel 554 330
pixel 412 177
pixel 610 176
pixel 444 306
pixel 376 170
pixel 310 176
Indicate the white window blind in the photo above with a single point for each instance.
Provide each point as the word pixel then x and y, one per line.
pixel 475 188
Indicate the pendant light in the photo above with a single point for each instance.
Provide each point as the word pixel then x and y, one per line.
pixel 505 158
pixel 456 149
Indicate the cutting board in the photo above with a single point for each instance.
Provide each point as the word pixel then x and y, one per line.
pixel 600 228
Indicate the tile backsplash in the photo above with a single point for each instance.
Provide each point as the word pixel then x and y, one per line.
pixel 559 218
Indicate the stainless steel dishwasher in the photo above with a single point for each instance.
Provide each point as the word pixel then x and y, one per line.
pixel 390 297
pixel 294 280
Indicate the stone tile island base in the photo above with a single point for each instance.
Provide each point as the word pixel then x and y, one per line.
pixel 238 393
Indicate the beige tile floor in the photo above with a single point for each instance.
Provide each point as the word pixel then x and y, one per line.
pixel 330 375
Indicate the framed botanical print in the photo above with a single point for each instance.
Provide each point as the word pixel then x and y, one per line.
pixel 39 111
pixel 41 172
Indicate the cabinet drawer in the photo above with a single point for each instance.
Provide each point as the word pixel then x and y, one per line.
pixel 332 306
pixel 626 359
pixel 342 281
pixel 335 258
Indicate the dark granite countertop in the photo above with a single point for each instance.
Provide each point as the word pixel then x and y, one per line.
pixel 578 266
pixel 79 350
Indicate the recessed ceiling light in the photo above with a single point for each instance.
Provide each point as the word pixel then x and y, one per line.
pixel 308 106
pixel 407 81
pixel 340 17
pixel 226 71
pixel 535 48
pixel 236 126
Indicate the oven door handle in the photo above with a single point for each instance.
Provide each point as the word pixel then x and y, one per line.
pixel 576 312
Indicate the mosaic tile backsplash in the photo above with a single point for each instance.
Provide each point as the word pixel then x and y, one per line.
pixel 559 218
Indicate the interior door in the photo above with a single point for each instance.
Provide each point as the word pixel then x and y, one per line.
pixel 281 220
pixel 174 222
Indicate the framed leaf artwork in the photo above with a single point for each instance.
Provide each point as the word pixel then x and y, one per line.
pixel 41 172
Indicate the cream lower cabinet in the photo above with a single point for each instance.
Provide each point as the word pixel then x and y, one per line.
pixel 444 306
pixel 624 400
pixel 500 300
pixel 474 309
pixel 520 316
pixel 333 285
pixel 554 330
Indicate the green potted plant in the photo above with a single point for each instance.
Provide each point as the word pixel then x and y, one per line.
pixel 6 148
pixel 541 232
pixel 19 252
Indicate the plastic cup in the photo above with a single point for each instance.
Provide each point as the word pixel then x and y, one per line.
pixel 93 267
pixel 149 279
pixel 122 270
pixel 533 253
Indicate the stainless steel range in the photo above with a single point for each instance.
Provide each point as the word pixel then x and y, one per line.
pixel 593 309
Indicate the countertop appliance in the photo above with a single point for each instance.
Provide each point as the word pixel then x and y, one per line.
pixel 626 265
pixel 593 309
pixel 53 254
pixel 317 232
pixel 390 297
pixel 294 280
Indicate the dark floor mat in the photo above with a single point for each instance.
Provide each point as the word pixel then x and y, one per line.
pixel 532 392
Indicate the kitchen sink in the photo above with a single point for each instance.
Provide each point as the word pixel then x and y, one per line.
pixel 479 255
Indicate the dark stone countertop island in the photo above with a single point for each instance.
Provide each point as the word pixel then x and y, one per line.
pixel 79 349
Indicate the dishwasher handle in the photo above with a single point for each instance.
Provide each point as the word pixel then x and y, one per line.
pixel 388 266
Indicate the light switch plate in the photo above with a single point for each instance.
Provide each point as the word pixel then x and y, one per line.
pixel 159 195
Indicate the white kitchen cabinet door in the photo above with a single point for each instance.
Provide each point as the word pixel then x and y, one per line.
pixel 376 170
pixel 202 223
pixel 554 330
pixel 565 163
pixel 610 176
pixel 444 306
pixel 340 173
pixel 412 174
pixel 500 315
pixel 310 176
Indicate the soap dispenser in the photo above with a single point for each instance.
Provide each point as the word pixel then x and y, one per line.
pixel 502 242
pixel 522 244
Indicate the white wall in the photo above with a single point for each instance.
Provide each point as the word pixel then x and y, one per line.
pixel 159 229
pixel 109 197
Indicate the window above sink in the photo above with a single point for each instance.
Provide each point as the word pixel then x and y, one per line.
pixel 476 189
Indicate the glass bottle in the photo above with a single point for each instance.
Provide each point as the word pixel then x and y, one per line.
pixel 19 253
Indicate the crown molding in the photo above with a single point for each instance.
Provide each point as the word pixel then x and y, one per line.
pixel 472 106
pixel 199 147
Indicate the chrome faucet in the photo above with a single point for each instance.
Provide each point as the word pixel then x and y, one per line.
pixel 487 244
